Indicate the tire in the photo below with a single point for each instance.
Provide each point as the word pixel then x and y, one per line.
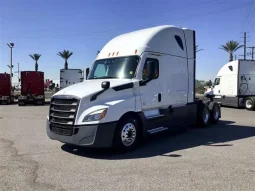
pixel 203 117
pixel 127 135
pixel 21 103
pixel 39 102
pixel 215 113
pixel 8 101
pixel 249 104
pixel 4 102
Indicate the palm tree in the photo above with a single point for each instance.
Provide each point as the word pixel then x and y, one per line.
pixel 35 57
pixel 230 47
pixel 65 54
pixel 197 50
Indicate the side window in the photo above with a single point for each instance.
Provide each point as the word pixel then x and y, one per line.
pixel 156 66
pixel 217 81
pixel 179 41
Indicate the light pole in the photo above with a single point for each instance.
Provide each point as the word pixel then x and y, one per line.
pixel 11 45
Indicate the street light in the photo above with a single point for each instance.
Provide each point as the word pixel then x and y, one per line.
pixel 11 45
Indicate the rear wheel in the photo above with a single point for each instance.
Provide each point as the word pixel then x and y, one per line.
pixel 203 115
pixel 127 135
pixel 249 104
pixel 21 103
pixel 8 101
pixel 39 102
pixel 215 113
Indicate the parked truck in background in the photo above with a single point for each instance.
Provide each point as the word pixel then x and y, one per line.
pixel 6 91
pixel 141 83
pixel 234 84
pixel 70 76
pixel 32 88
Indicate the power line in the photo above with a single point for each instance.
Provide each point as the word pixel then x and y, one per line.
pixel 112 30
pixel 252 51
pixel 252 13
pixel 246 17
pixel 158 13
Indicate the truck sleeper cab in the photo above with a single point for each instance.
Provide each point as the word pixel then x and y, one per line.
pixel 141 83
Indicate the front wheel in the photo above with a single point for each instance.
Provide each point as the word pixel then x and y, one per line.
pixel 127 135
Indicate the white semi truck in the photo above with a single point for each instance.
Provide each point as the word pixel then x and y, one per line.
pixel 234 84
pixel 141 83
pixel 70 76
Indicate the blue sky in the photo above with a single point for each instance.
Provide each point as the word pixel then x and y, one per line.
pixel 84 26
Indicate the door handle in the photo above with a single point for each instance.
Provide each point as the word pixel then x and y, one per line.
pixel 159 97
pixel 219 91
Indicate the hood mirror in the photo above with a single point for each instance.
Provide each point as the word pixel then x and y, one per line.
pixel 105 85
pixel 87 73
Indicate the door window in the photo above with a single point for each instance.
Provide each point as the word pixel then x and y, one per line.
pixel 217 81
pixel 156 68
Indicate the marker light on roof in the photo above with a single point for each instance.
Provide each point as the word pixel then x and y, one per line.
pixel 135 51
pixel 113 54
pixel 109 54
pixel 117 53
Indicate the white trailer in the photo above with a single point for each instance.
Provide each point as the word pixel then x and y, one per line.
pixel 141 83
pixel 70 76
pixel 234 84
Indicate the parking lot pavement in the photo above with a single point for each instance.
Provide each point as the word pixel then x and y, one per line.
pixel 219 157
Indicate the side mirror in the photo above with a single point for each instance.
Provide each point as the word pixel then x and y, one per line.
pixel 87 73
pixel 150 70
pixel 105 85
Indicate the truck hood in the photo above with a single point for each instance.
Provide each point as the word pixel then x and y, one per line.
pixel 89 87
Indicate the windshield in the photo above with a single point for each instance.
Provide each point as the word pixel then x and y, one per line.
pixel 123 67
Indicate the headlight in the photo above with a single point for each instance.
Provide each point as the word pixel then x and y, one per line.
pixel 95 116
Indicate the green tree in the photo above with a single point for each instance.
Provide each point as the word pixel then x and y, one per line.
pixel 65 54
pixel 230 47
pixel 35 57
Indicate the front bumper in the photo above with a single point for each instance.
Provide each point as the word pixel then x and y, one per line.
pixel 99 135
pixel 4 98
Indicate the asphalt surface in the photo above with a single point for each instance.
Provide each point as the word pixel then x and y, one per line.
pixel 220 157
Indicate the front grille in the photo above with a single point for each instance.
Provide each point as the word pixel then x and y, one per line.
pixel 68 131
pixel 62 115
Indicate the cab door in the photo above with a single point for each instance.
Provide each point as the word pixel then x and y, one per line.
pixel 151 91
pixel 217 87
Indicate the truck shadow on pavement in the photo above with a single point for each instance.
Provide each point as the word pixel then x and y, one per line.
pixel 169 144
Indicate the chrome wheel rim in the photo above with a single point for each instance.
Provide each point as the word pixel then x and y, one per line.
pixel 248 103
pixel 128 134
pixel 216 112
pixel 205 115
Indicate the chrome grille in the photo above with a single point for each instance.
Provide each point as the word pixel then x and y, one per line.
pixel 62 115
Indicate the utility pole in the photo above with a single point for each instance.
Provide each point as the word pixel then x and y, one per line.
pixel 252 51
pixel 244 46
pixel 11 45
pixel 18 71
